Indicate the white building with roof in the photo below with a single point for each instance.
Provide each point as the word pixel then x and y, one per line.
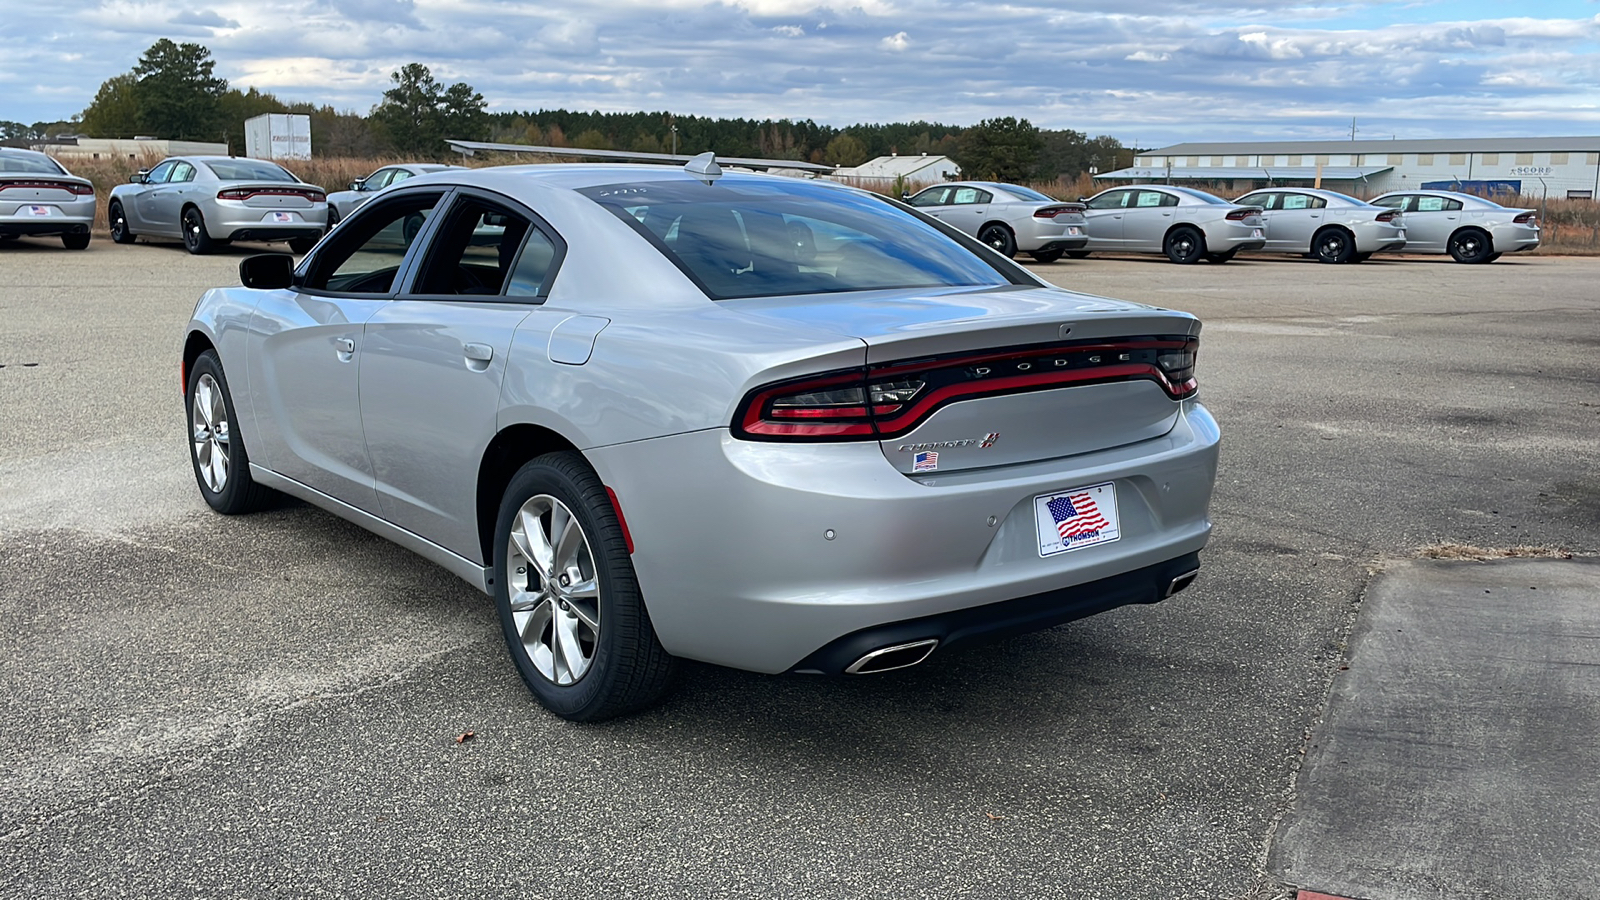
pixel 882 172
pixel 71 148
pixel 1531 167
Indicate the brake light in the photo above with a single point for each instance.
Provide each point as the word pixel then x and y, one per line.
pixel 1050 212
pixel 81 190
pixel 1527 218
pixel 247 193
pixel 886 401
pixel 1389 215
pixel 1238 215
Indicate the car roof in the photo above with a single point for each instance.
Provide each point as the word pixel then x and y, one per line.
pixel 578 176
pixel 1315 192
pixel 1457 195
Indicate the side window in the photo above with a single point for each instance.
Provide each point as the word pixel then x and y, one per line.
pixel 475 251
pixel 969 196
pixel 1151 198
pixel 1319 202
pixel 1109 200
pixel 362 255
pixel 1432 204
pixel 1169 200
pixel 181 172
pixel 934 196
pixel 1452 205
pixel 399 176
pixel 1265 201
pixel 1392 202
pixel 379 180
pixel 1295 201
pixel 159 174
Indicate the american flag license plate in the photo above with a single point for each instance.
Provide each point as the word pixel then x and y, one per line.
pixel 1081 517
pixel 282 217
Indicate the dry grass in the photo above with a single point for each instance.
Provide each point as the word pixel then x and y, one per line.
pixel 1448 550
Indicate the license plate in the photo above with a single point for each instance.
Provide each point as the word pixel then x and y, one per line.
pixel 1074 230
pixel 283 217
pixel 1255 232
pixel 40 210
pixel 1078 518
pixel 1402 234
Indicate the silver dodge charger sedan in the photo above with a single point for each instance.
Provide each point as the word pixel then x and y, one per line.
pixel 1326 225
pixel 342 203
pixel 1468 227
pixel 1007 217
pixel 210 201
pixel 1185 224
pixel 768 423
pixel 39 198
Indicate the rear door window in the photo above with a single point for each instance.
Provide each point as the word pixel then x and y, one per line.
pixel 365 253
pixel 487 249
pixel 935 196
pixel 1109 200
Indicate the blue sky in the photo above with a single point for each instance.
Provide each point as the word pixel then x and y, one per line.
pixel 1148 72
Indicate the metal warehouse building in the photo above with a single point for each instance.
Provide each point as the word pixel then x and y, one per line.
pixel 1532 167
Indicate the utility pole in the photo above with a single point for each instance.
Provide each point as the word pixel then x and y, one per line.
pixel 1352 128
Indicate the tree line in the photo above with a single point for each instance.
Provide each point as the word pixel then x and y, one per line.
pixel 173 92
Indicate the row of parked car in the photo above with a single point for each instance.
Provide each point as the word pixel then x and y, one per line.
pixel 1189 225
pixel 210 201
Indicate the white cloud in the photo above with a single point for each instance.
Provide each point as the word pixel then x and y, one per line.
pixel 790 30
pixel 899 42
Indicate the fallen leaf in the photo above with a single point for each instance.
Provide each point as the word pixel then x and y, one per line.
pixel 465 736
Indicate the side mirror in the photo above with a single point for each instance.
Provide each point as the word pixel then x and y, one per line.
pixel 138 177
pixel 1083 199
pixel 358 185
pixel 905 196
pixel 267 272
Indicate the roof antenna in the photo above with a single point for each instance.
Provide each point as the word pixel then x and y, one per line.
pixel 704 167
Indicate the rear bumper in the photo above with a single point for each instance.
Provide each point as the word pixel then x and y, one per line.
pixel 762 554
pixel 261 233
pixel 978 624
pixel 58 226
pixel 1228 236
pixel 57 217
pixel 1514 238
pixel 233 220
pixel 1044 234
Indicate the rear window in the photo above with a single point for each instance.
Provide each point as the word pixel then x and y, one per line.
pixel 1026 193
pixel 248 170
pixel 32 165
pixel 748 238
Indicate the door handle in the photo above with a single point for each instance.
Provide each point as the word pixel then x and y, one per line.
pixel 478 352
pixel 345 346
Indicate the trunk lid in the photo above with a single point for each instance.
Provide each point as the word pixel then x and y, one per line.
pixel 274 195
pixel 989 377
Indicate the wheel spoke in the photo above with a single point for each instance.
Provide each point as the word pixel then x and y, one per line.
pixel 532 543
pixel 571 649
pixel 527 601
pixel 219 468
pixel 568 540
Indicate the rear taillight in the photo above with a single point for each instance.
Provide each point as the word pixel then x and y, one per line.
pixel 890 400
pixel 1238 215
pixel 1050 212
pixel 1527 218
pixel 247 193
pixel 82 190
pixel 1389 215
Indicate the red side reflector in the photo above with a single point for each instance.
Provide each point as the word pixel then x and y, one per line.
pixel 616 505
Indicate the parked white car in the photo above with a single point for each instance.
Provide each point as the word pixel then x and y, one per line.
pixel 1468 227
pixel 1327 225
pixel 1185 224
pixel 1007 217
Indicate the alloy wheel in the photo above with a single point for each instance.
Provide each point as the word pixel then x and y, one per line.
pixel 555 591
pixel 208 420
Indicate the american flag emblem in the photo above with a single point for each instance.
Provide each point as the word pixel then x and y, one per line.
pixel 988 440
pixel 1076 517
pixel 926 461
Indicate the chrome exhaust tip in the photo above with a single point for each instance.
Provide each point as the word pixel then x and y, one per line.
pixel 887 659
pixel 1181 582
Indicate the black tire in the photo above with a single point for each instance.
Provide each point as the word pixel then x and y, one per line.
pixel 1361 257
pixel 627 669
pixel 411 227
pixel 1000 238
pixel 301 246
pixel 75 241
pixel 1079 254
pixel 1333 245
pixel 1492 257
pixel 119 224
pixel 236 492
pixel 1047 256
pixel 1470 245
pixel 196 239
pixel 1220 258
pixel 1185 245
pixel 333 219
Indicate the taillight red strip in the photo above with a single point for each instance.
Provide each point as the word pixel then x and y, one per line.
pixel 1239 214
pixel 1388 215
pixel 1017 383
pixel 81 190
pixel 247 193
pixel 924 365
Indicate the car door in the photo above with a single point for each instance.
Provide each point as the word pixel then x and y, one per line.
pixel 933 201
pixel 434 359
pixel 1296 219
pixel 306 352
pixel 968 209
pixel 144 216
pixel 1103 219
pixel 1149 215
pixel 1430 221
pixel 1268 202
pixel 167 199
pixel 372 184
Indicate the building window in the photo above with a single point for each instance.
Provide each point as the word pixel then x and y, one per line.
pixel 1558 159
pixel 1269 160
pixel 1322 160
pixel 1580 195
pixel 1491 159
pixel 1593 159
pixel 1458 159
pixel 1191 161
pixel 1396 159
pixel 1424 159
pixel 1217 161
pixel 1294 160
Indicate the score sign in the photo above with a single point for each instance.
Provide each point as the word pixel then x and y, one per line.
pixel 1533 170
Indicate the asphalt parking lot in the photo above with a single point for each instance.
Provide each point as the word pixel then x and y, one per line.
pixel 271 706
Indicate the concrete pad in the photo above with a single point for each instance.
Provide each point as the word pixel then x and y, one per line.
pixel 1458 757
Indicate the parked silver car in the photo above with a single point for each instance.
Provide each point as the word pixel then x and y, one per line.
pixel 209 201
pixel 1185 224
pixel 342 203
pixel 1007 217
pixel 40 198
pixel 1326 225
pixel 1468 227
pixel 801 430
